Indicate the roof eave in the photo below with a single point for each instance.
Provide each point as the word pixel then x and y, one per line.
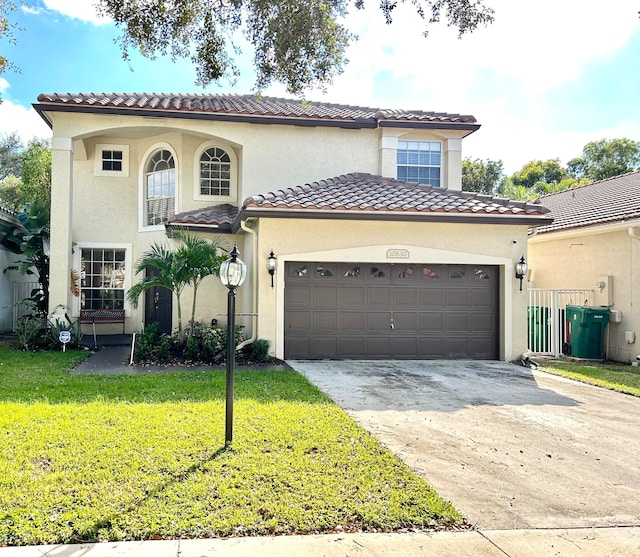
pixel 389 216
pixel 356 123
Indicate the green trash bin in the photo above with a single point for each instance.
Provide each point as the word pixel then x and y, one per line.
pixel 538 321
pixel 587 326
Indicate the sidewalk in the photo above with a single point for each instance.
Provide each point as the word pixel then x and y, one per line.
pixel 598 542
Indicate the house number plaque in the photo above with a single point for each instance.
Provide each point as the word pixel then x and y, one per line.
pixel 397 254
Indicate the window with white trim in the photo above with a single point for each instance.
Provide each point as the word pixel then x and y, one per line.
pixel 112 160
pixel 215 172
pixel 159 188
pixel 419 161
pixel 102 278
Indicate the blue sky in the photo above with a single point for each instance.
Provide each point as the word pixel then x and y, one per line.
pixel 546 78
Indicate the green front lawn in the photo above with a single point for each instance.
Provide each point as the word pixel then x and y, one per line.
pixel 99 457
pixel 623 378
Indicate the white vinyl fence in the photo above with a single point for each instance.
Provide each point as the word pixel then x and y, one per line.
pixel 547 325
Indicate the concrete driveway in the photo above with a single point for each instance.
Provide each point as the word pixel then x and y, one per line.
pixel 511 448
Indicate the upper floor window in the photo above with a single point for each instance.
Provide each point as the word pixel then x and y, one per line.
pixel 112 160
pixel 420 161
pixel 160 188
pixel 215 172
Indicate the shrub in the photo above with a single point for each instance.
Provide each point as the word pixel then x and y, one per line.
pixel 152 344
pixel 260 349
pixel 31 332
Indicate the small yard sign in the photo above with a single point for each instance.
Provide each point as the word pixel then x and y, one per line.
pixel 64 337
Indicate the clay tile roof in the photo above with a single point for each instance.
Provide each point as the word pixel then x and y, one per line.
pixel 353 194
pixel 605 202
pixel 219 217
pixel 250 106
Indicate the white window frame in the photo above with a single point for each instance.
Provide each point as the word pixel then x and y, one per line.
pixel 128 262
pixel 142 197
pixel 100 147
pixel 418 165
pixel 233 184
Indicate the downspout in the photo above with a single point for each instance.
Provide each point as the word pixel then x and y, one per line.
pixel 634 232
pixel 254 287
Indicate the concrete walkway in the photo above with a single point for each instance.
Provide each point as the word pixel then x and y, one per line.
pixel 530 542
pixel 598 542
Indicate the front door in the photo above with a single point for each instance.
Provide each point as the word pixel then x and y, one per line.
pixel 158 303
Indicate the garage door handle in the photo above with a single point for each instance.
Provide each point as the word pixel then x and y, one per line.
pixel 393 326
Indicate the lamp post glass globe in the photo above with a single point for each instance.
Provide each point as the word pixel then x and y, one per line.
pixel 233 271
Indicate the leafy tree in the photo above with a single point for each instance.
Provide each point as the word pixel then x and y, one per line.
pixel 606 158
pixel 31 240
pixel 514 191
pixel 6 30
pixel 25 173
pixel 547 172
pixel 10 155
pixel 481 176
pixel 36 170
pixel 301 44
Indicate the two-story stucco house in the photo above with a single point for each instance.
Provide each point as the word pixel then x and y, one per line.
pixel 380 254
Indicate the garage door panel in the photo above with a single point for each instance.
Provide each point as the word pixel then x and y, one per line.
pixel 380 297
pixel 324 346
pixel 483 322
pixel 378 321
pixel 351 346
pixel 325 320
pixel 362 310
pixel 405 297
pixel 432 321
pixel 406 320
pixel 457 323
pixel 325 295
pixel 378 347
pixel 298 320
pixel 483 298
pixel 298 295
pixel 433 297
pixel 458 297
pixel 352 320
pixel 352 296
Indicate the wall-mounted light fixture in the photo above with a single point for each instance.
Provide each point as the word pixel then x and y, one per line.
pixel 521 270
pixel 272 265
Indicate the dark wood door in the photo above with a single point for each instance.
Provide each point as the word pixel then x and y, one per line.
pixel 158 305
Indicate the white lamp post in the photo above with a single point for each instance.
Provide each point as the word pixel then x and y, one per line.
pixel 232 274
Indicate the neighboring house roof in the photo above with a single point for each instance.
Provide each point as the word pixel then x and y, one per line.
pixel 8 220
pixel 361 196
pixel 608 201
pixel 250 108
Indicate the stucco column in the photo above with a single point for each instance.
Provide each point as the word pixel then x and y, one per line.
pixel 452 164
pixel 61 221
pixel 388 156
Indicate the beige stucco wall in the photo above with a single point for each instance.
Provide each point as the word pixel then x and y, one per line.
pixel 362 241
pixel 105 210
pixel 580 260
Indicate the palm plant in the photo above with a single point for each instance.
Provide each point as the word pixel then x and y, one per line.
pixel 201 259
pixel 195 259
pixel 171 273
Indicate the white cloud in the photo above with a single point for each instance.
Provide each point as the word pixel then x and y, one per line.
pixel 25 121
pixel 80 9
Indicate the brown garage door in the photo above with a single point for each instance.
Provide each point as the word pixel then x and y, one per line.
pixel 367 310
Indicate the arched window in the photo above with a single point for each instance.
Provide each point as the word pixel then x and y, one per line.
pixel 160 188
pixel 215 172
